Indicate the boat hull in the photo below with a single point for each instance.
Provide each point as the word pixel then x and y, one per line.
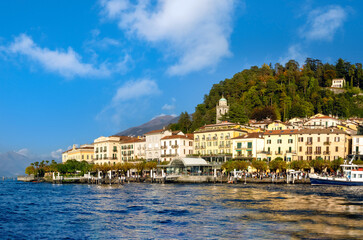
pixel 322 181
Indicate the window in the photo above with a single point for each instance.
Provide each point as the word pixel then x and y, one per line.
pixel 318 139
pixel 290 141
pixel 300 149
pixel 269 141
pixel 300 139
pixel 279 141
pixel 249 145
pixel 239 145
pixel 336 149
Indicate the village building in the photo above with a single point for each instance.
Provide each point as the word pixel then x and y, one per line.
pixel 328 144
pixel 249 146
pixel 176 146
pixel 82 153
pixel 338 83
pixel 153 150
pixel 107 149
pixel 321 121
pixel 281 143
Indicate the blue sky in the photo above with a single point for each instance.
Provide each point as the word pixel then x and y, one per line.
pixel 71 71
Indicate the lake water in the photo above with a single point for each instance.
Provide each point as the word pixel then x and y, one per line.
pixel 179 211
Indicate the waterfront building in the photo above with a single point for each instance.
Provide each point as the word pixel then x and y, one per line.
pixel 215 140
pixel 140 149
pixel 281 143
pixel 129 151
pixel 338 83
pixel 153 151
pixel 83 153
pixel 278 125
pixel 249 146
pixel 263 124
pixel 176 146
pixel 321 121
pixel 221 109
pixel 357 144
pixel 328 144
pixel 299 122
pixel 107 149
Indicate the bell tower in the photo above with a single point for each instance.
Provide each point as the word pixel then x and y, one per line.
pixel 221 109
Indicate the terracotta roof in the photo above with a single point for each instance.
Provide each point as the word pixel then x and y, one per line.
pixel 132 140
pixel 281 132
pixel 250 135
pixel 188 136
pixel 155 131
pixel 220 130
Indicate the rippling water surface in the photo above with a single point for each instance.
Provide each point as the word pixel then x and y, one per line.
pixel 179 211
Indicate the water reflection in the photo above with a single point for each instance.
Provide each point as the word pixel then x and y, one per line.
pixel 180 211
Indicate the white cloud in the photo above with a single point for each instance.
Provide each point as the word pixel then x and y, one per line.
pixel 294 52
pixel 136 89
pixel 195 32
pixel 57 154
pixel 25 152
pixel 322 24
pixel 66 63
pixel 169 107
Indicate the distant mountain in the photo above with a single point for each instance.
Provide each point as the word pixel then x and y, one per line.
pixel 13 164
pixel 153 124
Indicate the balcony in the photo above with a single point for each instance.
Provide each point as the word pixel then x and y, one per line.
pixel 227 137
pixel 279 153
pixel 317 152
pixel 163 147
pixel 197 147
pixel 228 145
pixel 221 146
pixel 326 152
pixel 208 139
pixel 308 153
pixel 309 143
pixel 175 146
pixel 115 150
pixel 96 151
pixel 327 143
pixel 196 140
pixel 202 147
pixel 215 138
pixel 170 155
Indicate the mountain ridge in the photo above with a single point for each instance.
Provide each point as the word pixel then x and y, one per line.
pixel 154 124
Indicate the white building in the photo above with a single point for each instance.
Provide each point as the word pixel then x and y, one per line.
pixel 153 150
pixel 176 146
pixel 140 149
pixel 221 109
pixel 357 144
pixel 249 146
pixel 321 121
pixel 338 83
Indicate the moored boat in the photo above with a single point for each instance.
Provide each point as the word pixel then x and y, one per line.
pixel 352 176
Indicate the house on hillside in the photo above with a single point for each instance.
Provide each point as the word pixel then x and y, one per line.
pixel 338 83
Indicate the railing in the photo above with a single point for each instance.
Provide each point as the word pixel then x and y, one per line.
pixel 208 139
pixel 317 152
pixel 327 143
pixel 170 155
pixel 309 143
pixel 308 153
pixel 227 137
pixel 326 152
pixel 163 147
pixel 175 146
pixel 197 139
pixel 278 153
pixel 202 147
pixel 215 138
pixel 115 150
pixel 197 147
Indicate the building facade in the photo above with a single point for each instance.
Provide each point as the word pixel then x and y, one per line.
pixel 153 151
pixel 249 146
pixel 338 83
pixel 83 153
pixel 107 149
pixel 176 146
pixel 328 144
pixel 319 122
pixel 357 144
pixel 216 139
pixel 281 143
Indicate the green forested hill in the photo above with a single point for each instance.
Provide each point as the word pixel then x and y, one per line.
pixel 282 92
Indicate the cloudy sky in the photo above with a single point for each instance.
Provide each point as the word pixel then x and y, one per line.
pixel 71 71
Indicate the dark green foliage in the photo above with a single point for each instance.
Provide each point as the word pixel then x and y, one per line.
pixel 284 92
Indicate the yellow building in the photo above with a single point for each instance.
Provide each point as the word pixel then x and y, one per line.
pixel 281 143
pixel 328 144
pixel 215 139
pixel 107 150
pixel 83 153
pixel 133 150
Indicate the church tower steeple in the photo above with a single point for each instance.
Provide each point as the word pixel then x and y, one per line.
pixel 221 109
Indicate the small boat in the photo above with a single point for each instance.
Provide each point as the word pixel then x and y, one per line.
pixel 352 176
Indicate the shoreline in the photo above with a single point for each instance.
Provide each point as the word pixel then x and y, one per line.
pixel 181 179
